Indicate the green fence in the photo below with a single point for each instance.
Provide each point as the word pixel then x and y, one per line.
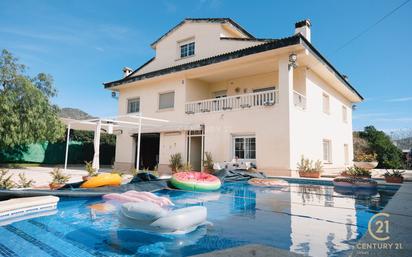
pixel 53 153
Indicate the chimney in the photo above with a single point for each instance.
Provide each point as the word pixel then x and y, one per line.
pixel 126 71
pixel 303 27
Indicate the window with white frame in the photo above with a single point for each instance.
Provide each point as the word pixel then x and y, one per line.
pixel 325 103
pixel 133 105
pixel 346 153
pixel 220 93
pixel 187 49
pixel 166 100
pixel 327 151
pixel 244 147
pixel 344 114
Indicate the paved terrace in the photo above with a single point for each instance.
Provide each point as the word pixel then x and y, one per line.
pixel 41 175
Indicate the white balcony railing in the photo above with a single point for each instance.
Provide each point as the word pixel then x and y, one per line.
pixel 299 100
pixel 245 101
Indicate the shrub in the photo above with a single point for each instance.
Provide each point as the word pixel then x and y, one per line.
pixel 24 182
pixel 356 172
pixel 89 168
pixel 5 180
pixel 387 154
pixel 208 162
pixel 306 165
pixel 58 177
pixel 175 162
pixel 394 173
pixel 364 157
pixel 187 167
pixel 133 171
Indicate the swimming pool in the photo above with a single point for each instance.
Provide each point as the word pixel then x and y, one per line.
pixel 304 218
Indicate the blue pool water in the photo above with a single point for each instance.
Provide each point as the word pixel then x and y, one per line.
pixel 310 219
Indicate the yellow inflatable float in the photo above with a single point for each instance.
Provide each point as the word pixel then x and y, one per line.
pixel 106 179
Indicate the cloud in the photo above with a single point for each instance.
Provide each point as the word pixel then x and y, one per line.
pixel 401 99
pixel 400 119
pixel 370 115
pixel 100 49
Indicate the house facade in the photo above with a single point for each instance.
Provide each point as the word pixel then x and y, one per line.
pixel 267 101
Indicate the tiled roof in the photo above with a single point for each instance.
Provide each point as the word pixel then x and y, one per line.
pixel 210 60
pixel 269 45
pixel 248 39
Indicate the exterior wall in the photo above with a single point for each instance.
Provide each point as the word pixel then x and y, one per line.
pixel 149 95
pixel 283 132
pixel 312 125
pixel 170 143
pixel 207 43
pixel 220 127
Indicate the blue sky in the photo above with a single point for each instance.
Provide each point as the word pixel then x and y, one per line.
pixel 85 43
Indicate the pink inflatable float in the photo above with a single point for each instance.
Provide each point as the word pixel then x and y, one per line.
pixel 264 182
pixel 135 196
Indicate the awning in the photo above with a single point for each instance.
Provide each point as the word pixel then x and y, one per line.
pixel 132 124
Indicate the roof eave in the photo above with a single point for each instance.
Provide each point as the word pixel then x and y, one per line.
pixel 293 40
pixel 320 57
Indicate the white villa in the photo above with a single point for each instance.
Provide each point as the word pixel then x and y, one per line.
pixel 268 101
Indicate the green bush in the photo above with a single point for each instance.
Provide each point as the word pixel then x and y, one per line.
pixel 175 162
pixel 388 155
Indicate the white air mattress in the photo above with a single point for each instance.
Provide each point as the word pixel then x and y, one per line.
pixel 24 206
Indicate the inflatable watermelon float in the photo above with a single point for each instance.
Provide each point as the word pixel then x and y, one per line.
pixel 195 181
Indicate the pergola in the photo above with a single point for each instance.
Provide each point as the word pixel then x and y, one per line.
pixel 132 123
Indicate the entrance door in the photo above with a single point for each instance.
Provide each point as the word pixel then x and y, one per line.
pixel 196 152
pixel 195 148
pixel 149 150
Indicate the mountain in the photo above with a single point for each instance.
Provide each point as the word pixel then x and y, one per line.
pixel 404 143
pixel 74 113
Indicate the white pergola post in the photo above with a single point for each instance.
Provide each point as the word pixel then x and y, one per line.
pixel 202 148
pixel 139 136
pixel 96 143
pixel 190 145
pixel 67 147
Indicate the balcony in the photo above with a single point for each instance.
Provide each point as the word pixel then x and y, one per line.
pixel 299 100
pixel 237 102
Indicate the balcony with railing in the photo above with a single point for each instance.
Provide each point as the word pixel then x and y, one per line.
pixel 299 100
pixel 236 102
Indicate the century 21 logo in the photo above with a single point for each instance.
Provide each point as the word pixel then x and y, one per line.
pixel 378 226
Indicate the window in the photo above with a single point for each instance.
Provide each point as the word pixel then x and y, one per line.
pixel 187 50
pixel 263 89
pixel 133 105
pixel 344 114
pixel 346 153
pixel 325 104
pixel 166 100
pixel 220 94
pixel 244 147
pixel 327 151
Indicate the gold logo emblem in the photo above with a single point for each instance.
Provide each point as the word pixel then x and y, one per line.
pixel 378 226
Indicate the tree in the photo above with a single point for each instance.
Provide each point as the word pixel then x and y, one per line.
pixel 388 155
pixel 26 113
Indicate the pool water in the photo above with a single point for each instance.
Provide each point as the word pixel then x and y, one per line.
pixel 309 219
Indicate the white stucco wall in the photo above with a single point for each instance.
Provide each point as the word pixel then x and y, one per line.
pixel 283 132
pixel 310 126
pixel 207 43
